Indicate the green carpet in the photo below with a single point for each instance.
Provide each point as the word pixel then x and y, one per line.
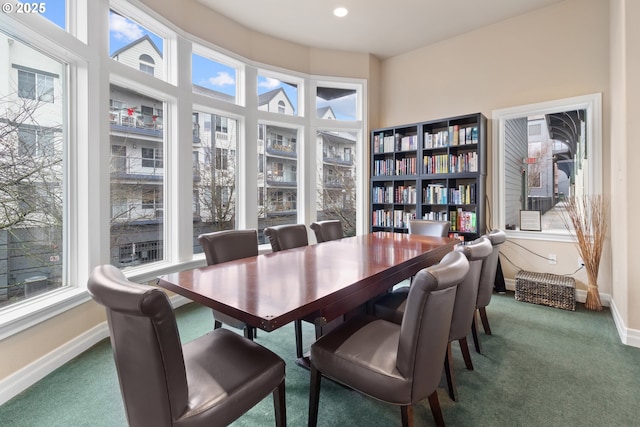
pixel 541 367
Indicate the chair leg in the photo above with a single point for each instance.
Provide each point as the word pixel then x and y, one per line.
pixel 298 331
pixel 279 405
pixel 485 320
pixel 406 412
pixel 464 348
pixel 474 332
pixel 448 371
pixel 249 332
pixel 314 396
pixel 434 403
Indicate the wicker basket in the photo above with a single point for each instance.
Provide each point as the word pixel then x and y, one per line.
pixel 546 289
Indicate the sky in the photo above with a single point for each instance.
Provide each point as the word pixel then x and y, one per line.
pixel 205 72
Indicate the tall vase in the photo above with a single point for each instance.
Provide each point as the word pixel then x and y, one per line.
pixel 593 294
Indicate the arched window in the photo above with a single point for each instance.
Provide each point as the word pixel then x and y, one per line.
pixel 147 64
pixel 281 107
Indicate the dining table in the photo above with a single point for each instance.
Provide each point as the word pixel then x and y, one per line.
pixel 318 282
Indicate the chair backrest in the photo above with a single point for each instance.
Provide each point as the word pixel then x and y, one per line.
pixel 229 245
pixel 425 227
pixel 146 347
pixel 489 268
pixel 467 293
pixel 287 236
pixel 424 333
pixel 327 230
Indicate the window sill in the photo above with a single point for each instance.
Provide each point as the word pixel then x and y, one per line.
pixel 545 235
pixel 15 319
pixel 37 310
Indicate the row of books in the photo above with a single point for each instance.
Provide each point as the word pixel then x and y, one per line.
pixel 401 194
pixel 432 194
pixel 396 218
pixel 436 216
pixel 453 135
pixel 388 167
pixel 435 194
pixel 463 221
pixel 465 194
pixel 450 163
pixel 382 194
pixel 391 143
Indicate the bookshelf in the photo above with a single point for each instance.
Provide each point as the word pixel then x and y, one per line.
pixel 432 170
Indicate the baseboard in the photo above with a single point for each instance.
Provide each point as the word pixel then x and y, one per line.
pixel 630 337
pixel 20 380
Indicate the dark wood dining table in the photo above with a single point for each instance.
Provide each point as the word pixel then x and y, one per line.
pixel 321 281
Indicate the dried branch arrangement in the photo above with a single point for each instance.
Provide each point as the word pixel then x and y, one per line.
pixel 586 218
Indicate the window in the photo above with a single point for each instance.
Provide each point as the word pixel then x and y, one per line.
pixel 127 38
pixel 36 86
pixel 215 189
pixel 32 174
pixel 151 158
pixel 336 178
pixel 137 192
pixel 54 11
pixel 40 212
pixel 279 183
pixel 278 94
pixel 546 153
pixel 147 64
pixel 35 141
pixel 215 78
pixel 335 102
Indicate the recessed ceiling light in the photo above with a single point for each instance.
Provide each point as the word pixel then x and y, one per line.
pixel 340 12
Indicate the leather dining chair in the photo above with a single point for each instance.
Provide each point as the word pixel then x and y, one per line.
pixel 421 227
pixel 487 281
pixel 327 230
pixel 398 364
pixel 212 380
pixel 283 237
pixel 426 227
pixel 229 245
pixel 393 305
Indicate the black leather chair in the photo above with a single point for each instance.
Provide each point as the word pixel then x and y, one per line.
pixel 327 230
pixel 229 245
pixel 398 364
pixel 487 281
pixel 284 237
pixel 210 381
pixel 426 227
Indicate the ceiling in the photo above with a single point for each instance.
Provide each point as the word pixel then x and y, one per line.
pixel 382 28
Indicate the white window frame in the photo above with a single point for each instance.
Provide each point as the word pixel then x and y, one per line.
pixel 88 112
pixel 593 105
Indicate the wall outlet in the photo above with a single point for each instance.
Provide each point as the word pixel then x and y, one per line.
pixel 552 259
pixel 580 262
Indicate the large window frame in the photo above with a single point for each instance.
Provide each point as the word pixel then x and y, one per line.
pixel 91 71
pixel 592 104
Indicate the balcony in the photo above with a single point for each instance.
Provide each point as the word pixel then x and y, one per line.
pixel 136 168
pixel 337 160
pixel 282 148
pixel 275 178
pixel 141 124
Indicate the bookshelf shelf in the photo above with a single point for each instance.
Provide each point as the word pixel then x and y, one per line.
pixel 433 170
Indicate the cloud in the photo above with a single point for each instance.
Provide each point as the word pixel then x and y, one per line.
pixel 222 78
pixel 269 83
pixel 123 29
